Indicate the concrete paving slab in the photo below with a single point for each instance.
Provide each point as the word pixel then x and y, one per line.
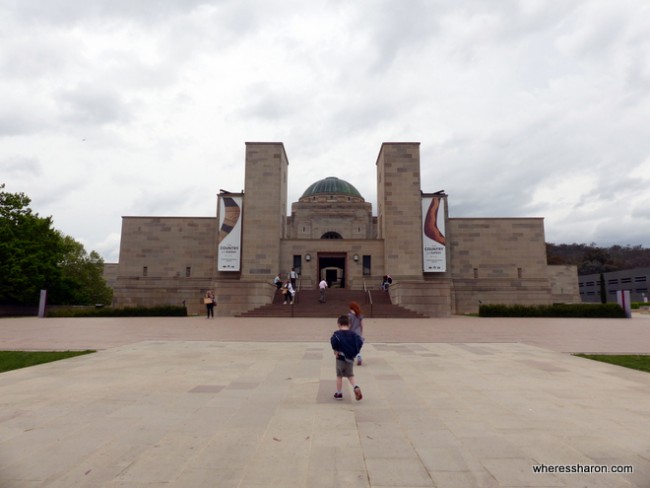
pixel 169 403
pixel 565 335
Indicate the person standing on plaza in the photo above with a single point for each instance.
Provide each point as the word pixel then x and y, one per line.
pixel 346 345
pixel 322 286
pixel 210 302
pixel 355 319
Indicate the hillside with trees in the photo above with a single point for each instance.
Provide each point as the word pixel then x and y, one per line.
pixel 590 258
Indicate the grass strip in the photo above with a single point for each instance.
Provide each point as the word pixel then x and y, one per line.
pixel 10 360
pixel 632 361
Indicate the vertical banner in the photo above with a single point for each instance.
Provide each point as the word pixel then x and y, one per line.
pixel 42 302
pixel 434 256
pixel 229 234
pixel 623 299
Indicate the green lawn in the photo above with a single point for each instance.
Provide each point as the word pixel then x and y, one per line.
pixel 633 361
pixel 10 360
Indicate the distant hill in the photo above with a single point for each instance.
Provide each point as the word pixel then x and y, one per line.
pixel 590 258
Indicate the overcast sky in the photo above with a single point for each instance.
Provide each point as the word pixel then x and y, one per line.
pixel 523 108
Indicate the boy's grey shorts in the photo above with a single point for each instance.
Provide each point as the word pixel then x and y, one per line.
pixel 344 369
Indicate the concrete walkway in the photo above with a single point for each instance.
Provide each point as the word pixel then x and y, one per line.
pixel 460 402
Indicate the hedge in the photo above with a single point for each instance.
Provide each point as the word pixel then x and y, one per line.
pixel 586 310
pixel 158 311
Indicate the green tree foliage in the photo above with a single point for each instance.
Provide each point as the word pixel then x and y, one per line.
pixel 82 282
pixel 35 256
pixel 29 250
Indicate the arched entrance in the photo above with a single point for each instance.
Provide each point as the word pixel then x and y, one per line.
pixel 332 268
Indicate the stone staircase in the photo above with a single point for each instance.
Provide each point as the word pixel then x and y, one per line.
pixel 337 300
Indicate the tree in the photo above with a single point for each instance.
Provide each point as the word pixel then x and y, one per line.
pixel 29 250
pixel 35 256
pixel 82 281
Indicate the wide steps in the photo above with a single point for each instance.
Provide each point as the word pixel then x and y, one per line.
pixel 337 302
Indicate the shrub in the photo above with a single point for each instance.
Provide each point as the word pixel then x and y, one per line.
pixel 157 311
pixel 585 310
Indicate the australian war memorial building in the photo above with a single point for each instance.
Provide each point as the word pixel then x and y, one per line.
pixel 439 265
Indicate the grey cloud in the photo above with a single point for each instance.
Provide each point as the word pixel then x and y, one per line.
pixel 641 211
pixel 160 200
pixel 362 115
pixel 620 232
pixel 90 104
pixel 269 104
pixel 20 166
pixel 398 26
pixel 16 123
pixel 28 56
pixel 611 183
pixel 72 11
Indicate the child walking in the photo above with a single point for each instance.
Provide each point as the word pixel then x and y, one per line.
pixel 346 345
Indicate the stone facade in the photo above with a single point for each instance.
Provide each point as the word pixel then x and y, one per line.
pixel 399 208
pixel 331 234
pixel 498 261
pixel 165 260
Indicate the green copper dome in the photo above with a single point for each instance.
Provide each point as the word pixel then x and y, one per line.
pixel 331 186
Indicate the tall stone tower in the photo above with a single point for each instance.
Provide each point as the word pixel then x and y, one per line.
pixel 400 208
pixel 265 209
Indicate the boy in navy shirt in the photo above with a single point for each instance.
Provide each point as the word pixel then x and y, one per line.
pixel 346 345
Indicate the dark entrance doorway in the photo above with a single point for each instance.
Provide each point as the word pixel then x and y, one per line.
pixel 331 268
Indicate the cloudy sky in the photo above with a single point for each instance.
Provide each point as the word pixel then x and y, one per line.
pixel 533 108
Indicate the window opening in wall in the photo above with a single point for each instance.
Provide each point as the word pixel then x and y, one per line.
pixel 626 280
pixel 475 272
pixel 367 271
pixel 297 263
pixel 188 271
pixel 519 273
pixel 331 235
pixel 639 279
pixel 145 271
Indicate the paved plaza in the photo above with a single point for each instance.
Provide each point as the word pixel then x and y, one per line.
pixel 459 402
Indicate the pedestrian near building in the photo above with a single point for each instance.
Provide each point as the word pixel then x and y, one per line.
pixel 210 302
pixel 322 286
pixel 293 276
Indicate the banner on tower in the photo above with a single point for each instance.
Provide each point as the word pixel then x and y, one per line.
pixel 434 249
pixel 229 252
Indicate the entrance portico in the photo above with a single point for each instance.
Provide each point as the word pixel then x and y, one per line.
pixel 332 268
